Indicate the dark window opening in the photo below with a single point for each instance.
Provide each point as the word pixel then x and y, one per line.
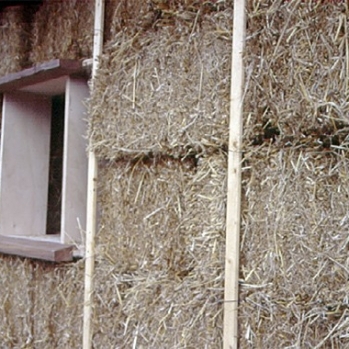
pixel 54 203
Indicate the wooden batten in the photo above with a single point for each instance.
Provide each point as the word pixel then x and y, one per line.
pixel 92 193
pixel 231 293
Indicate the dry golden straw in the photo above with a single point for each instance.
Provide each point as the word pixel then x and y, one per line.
pixel 159 124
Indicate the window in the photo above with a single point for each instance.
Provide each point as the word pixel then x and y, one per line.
pixel 43 161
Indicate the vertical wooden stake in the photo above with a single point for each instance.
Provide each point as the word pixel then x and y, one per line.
pixel 92 193
pixel 231 295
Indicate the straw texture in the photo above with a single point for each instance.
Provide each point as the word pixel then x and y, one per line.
pixel 159 126
pixel 294 230
pixel 41 304
pixel 159 273
pixel 164 91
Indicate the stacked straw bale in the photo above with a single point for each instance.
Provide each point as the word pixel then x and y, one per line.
pixel 294 262
pixel 133 16
pixel 160 248
pixel 62 29
pixel 14 38
pixel 34 34
pixel 297 62
pixel 160 257
pixel 165 91
pixel 124 15
pixel 159 125
pixel 294 259
pixel 159 115
pixel 41 304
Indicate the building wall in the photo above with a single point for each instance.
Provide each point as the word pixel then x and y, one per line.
pixel 159 125
pixel 160 243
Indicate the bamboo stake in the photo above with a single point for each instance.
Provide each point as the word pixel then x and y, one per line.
pixel 230 336
pixel 92 192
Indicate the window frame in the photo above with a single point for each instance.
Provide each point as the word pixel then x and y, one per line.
pixel 27 98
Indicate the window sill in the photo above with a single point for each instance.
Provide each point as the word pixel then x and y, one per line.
pixel 48 249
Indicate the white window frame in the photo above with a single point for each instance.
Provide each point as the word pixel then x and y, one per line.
pixel 24 159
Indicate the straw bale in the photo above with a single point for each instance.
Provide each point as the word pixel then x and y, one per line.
pixel 294 261
pixel 165 90
pixel 297 70
pixel 122 15
pixel 63 29
pixel 160 260
pixel 41 304
pixel 133 16
pixel 14 38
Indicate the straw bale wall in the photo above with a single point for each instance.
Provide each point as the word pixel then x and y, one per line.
pixel 159 114
pixel 294 264
pixel 14 38
pixel 160 246
pixel 159 126
pixel 164 91
pixel 34 34
pixel 133 16
pixel 62 29
pixel 297 72
pixel 159 272
pixel 40 304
